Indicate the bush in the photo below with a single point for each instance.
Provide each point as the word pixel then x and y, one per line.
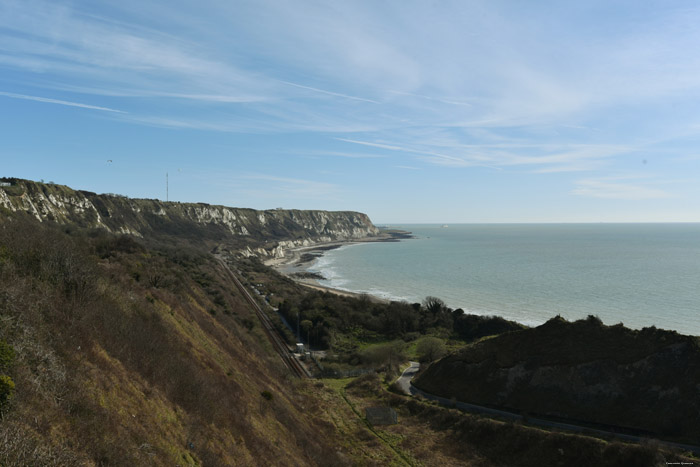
pixel 7 356
pixel 7 389
pixel 430 349
pixel 7 359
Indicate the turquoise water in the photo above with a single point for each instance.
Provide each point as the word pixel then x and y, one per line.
pixel 637 274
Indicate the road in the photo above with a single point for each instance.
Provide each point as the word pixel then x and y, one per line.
pixel 404 382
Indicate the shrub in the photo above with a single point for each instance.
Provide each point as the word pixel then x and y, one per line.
pixel 7 356
pixel 7 389
pixel 7 386
pixel 430 349
pixel 594 319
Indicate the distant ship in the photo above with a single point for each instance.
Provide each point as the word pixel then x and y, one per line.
pixel 444 226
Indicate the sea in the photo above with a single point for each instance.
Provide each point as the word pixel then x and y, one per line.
pixel 636 274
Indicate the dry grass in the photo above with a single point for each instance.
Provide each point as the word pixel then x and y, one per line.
pixel 116 367
pixel 432 435
pixel 119 368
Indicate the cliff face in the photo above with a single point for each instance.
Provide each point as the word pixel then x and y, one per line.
pixel 262 233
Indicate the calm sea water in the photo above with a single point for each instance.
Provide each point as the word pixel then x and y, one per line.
pixel 637 274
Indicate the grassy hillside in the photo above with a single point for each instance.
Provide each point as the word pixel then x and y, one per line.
pixel 129 354
pixel 642 380
pixel 124 350
pixel 437 436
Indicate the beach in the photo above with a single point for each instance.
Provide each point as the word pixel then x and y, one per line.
pixel 296 262
pixel 640 275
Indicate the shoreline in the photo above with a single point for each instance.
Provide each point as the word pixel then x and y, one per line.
pixel 298 261
pixel 290 264
pixel 293 263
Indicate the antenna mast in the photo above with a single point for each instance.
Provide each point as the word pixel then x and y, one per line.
pixel 166 186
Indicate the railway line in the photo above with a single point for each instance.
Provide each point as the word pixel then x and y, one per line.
pixel 276 340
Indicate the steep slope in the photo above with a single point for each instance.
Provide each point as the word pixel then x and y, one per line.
pixel 140 351
pixel 263 233
pixel 583 371
pixel 125 354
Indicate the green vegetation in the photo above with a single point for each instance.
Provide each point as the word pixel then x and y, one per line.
pixel 7 361
pixel 328 315
pixel 238 228
pixel 118 350
pixel 430 349
pixel 119 360
pixel 7 389
pixel 584 371
pixel 428 434
pixel 374 334
pixel 7 356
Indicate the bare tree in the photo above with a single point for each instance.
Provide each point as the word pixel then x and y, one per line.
pixel 430 349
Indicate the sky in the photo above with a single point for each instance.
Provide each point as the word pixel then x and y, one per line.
pixel 409 111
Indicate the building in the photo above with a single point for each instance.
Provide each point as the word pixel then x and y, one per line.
pixel 381 416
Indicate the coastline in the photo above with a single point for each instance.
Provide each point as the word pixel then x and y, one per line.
pixel 296 262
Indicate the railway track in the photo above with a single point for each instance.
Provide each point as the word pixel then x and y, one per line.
pixel 276 340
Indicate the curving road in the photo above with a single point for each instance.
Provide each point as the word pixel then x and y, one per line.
pixel 404 383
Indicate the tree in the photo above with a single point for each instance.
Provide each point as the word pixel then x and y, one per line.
pixel 432 311
pixel 430 349
pixel 388 355
pixel 306 326
pixel 433 305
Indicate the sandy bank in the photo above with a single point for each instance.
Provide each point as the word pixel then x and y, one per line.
pixel 299 260
pixel 300 255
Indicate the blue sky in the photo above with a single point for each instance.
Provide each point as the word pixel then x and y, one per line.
pixel 410 111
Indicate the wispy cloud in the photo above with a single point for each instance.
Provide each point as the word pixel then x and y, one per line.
pixel 57 101
pixel 407 167
pixel 133 58
pixel 630 188
pixel 329 93
pixel 216 98
pixel 435 99
pixel 349 155
pixel 467 76
pixel 427 154
pixel 374 145
pixel 294 187
pixel 190 123
pixel 687 157
pixel 549 157
pixel 412 84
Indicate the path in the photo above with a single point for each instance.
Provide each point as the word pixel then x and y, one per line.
pixel 404 382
